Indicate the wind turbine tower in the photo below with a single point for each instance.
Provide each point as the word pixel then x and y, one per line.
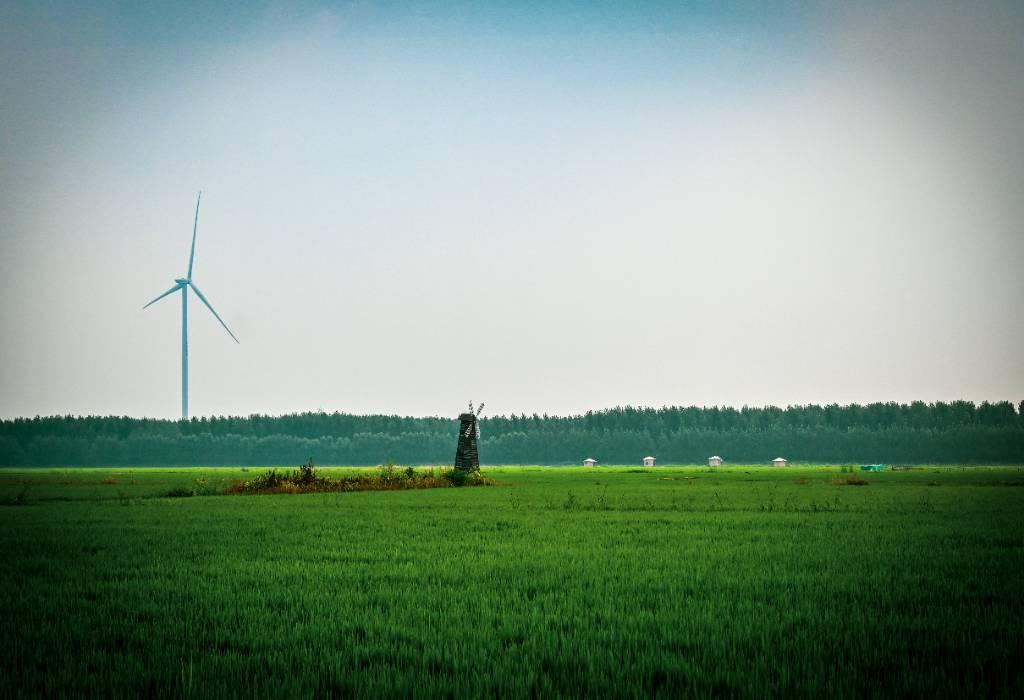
pixel 182 285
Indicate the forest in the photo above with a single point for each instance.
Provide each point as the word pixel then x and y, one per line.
pixel 958 432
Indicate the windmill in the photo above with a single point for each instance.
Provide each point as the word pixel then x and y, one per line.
pixel 183 284
pixel 467 458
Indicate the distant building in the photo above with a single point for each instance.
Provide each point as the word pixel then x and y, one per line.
pixel 588 462
pixel 648 461
pixel 715 461
pixel 779 462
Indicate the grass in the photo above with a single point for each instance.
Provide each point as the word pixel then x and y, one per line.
pixel 666 581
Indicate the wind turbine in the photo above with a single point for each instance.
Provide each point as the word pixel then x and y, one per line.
pixel 183 285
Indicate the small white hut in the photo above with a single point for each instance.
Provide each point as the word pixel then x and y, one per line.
pixel 588 462
pixel 648 461
pixel 715 461
pixel 779 462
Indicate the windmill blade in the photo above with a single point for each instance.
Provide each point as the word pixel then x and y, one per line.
pixel 192 254
pixel 203 299
pixel 169 291
pixel 481 409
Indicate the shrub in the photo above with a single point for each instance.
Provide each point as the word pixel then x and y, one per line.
pixel 264 482
pixel 306 474
pixel 388 474
pixel 456 477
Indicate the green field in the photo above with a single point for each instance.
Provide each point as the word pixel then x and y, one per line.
pixel 605 582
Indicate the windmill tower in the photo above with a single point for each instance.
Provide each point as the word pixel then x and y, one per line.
pixel 467 458
pixel 182 285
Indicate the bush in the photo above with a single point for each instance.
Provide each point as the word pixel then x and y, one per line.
pixel 456 477
pixel 306 474
pixel 267 480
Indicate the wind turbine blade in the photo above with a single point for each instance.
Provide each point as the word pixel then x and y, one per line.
pixel 169 291
pixel 203 299
pixel 195 225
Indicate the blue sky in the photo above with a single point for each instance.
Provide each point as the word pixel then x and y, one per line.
pixel 710 203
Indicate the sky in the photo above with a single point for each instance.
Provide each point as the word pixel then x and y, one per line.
pixel 548 206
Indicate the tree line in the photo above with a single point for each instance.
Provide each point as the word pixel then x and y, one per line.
pixel 918 432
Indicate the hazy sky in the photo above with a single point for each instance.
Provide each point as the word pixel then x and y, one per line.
pixel 547 206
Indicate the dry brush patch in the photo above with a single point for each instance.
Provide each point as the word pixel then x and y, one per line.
pixel 306 479
pixel 852 480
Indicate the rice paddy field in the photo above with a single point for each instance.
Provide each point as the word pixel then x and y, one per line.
pixel 612 582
